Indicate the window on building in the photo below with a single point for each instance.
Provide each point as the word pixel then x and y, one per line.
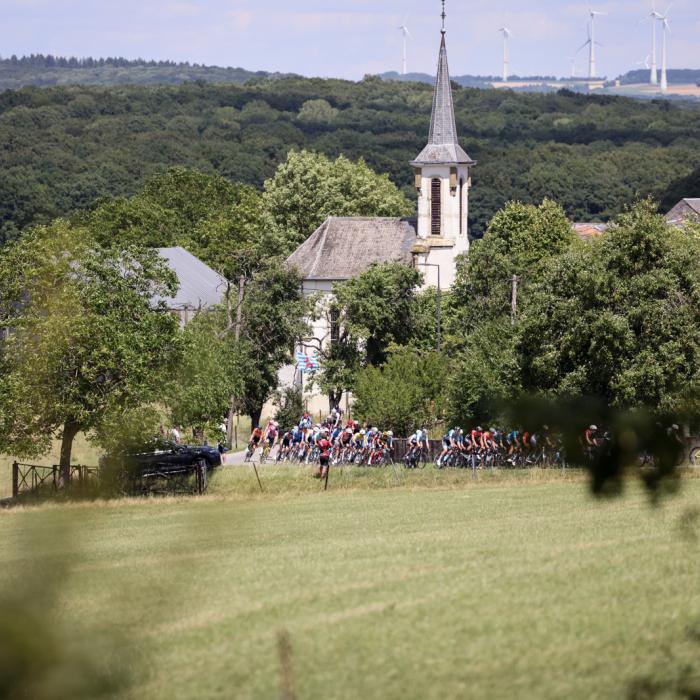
pixel 435 205
pixel 335 326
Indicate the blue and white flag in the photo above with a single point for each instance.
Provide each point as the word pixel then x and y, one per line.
pixel 307 363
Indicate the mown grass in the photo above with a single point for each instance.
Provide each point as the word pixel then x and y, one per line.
pixel 284 480
pixel 512 587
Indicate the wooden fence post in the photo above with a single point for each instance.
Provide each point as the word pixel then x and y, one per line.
pixel 15 480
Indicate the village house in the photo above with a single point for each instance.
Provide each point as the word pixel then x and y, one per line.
pixel 199 287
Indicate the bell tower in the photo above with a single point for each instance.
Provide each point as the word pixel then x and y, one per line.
pixel 442 183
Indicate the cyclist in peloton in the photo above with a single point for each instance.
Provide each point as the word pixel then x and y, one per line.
pixel 285 444
pixel 255 438
pixel 271 433
pixel 475 439
pixel 324 447
pixel 591 437
pixel 487 441
pixel 305 423
pixel 513 442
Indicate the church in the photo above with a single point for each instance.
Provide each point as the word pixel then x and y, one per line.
pixel 344 247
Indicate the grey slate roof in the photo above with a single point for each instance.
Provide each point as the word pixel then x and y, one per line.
pixel 200 286
pixel 694 204
pixel 686 210
pixel 344 247
pixel 443 146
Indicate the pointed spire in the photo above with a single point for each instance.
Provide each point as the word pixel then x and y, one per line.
pixel 443 146
pixel 443 128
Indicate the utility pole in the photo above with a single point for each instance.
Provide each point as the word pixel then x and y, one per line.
pixel 233 405
pixel 514 299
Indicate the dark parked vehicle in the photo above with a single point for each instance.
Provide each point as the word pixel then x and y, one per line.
pixel 164 454
pixel 160 466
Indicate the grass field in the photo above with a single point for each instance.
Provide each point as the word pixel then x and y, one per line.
pixel 510 587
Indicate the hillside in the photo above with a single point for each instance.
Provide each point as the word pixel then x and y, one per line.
pixel 46 71
pixel 65 147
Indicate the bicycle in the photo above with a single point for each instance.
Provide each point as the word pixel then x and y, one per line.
pixel 250 452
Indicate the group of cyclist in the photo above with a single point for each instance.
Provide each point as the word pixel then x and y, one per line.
pixel 335 440
pixel 309 442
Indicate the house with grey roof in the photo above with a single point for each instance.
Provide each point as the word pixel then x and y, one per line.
pixel 199 287
pixel 687 210
pixel 344 247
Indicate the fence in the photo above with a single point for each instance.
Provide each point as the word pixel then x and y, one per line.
pixel 30 478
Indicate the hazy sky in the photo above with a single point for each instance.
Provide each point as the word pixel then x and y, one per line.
pixel 349 38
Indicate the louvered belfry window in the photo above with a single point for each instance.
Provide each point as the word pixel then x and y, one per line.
pixel 435 206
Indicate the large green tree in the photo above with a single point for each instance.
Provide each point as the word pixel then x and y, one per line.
pixel 223 224
pixel 309 187
pixel 371 313
pixel 520 242
pixel 217 220
pixel 86 340
pixel 619 318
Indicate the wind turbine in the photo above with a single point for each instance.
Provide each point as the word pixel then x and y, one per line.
pixel 654 16
pixel 406 35
pixel 592 43
pixel 664 62
pixel 506 56
pixel 573 66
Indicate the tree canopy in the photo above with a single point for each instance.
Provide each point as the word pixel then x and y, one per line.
pixel 619 318
pixel 87 340
pixel 308 188
pixel 69 146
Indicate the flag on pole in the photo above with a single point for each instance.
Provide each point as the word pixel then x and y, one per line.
pixel 307 363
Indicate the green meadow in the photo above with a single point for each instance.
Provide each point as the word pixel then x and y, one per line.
pixel 437 586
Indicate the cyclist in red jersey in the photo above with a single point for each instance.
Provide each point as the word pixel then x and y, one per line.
pixel 476 436
pixel 324 447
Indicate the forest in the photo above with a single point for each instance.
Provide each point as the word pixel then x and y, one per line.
pixel 65 148
pixel 41 70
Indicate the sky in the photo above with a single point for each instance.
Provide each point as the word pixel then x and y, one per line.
pixel 349 38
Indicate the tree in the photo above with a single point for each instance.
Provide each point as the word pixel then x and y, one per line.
pixel 87 339
pixel 520 241
pixel 371 312
pixel 221 223
pixel 405 394
pixel 308 188
pixel 210 372
pixel 485 375
pixel 274 317
pixel 619 318
pixel 218 221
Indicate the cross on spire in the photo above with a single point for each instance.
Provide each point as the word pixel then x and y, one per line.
pixel 444 16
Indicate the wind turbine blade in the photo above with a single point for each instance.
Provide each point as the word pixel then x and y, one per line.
pixel 583 46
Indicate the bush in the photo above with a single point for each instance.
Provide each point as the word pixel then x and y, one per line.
pixel 405 394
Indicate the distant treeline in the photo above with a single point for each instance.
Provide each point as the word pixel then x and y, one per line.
pixel 66 147
pixel 465 80
pixel 40 60
pixel 41 70
pixel 676 76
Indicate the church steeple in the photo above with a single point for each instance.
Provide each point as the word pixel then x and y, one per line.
pixel 443 179
pixel 443 146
